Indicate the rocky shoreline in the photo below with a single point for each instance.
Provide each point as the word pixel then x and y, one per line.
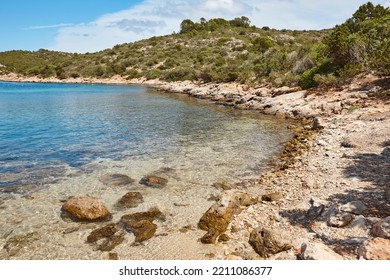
pixel 328 195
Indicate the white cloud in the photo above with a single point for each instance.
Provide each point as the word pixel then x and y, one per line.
pixel 161 17
pixel 48 26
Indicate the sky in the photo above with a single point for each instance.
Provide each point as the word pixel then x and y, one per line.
pixel 92 25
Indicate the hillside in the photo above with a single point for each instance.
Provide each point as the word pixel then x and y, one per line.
pixel 222 50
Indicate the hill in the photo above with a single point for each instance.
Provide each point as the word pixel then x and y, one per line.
pixel 222 50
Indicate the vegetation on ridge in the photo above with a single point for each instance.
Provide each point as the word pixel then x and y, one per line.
pixel 220 50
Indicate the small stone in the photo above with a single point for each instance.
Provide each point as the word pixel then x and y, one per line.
pixel 266 242
pixel 347 143
pixel 359 222
pixel 143 230
pixel 340 220
pixel 113 256
pixel 151 215
pixel 100 233
pixel 382 228
pixel 375 249
pixel 354 207
pixel 318 123
pixel 85 208
pixel 129 200
pixel 116 180
pixel 154 181
pixel 111 242
pixel 272 196
pixel 220 184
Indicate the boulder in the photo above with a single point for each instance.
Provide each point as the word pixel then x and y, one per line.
pixel 116 180
pixel 375 249
pixel 86 209
pixel 354 207
pixel 129 200
pixel 266 243
pixel 100 233
pixel 153 181
pixel 217 218
pixel 382 228
pixel 143 230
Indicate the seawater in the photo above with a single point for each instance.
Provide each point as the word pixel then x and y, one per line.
pixel 58 140
pixel 45 128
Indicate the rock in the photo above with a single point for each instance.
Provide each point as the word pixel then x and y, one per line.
pixel 111 242
pixel 143 230
pixel 382 228
pixel 316 209
pixel 100 233
pixel 129 200
pixel 85 208
pixel 359 222
pixel 317 251
pixel 217 218
pixel 340 220
pixel 151 215
pixel 266 242
pixel 112 256
pixel 272 196
pixel 318 123
pixel 354 207
pixel 347 143
pixel 153 181
pixel 116 180
pixel 220 184
pixel 15 243
pixel 375 249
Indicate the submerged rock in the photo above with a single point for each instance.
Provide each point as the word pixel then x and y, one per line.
pixel 85 208
pixel 116 180
pixel 266 242
pixel 15 243
pixel 153 181
pixel 151 215
pixel 111 242
pixel 143 230
pixel 220 184
pixel 103 232
pixel 129 200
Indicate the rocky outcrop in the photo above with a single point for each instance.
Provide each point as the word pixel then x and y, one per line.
pixel 85 209
pixel 217 218
pixel 116 180
pixel 265 242
pixel 129 200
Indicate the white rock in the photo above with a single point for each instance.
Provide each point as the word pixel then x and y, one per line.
pixel 354 207
pixel 319 251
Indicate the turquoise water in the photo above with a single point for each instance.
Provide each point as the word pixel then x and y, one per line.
pixel 47 128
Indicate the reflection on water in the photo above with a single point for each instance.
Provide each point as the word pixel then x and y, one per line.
pixel 47 128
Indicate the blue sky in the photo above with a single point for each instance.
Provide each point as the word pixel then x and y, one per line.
pixel 92 25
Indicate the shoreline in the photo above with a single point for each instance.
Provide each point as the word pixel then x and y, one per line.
pixel 317 174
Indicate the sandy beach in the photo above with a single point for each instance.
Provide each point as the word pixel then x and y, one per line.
pixel 326 197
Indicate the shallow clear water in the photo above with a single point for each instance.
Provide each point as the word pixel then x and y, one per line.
pixel 46 128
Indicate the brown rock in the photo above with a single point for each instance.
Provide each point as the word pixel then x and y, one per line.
pixel 113 256
pixel 154 181
pixel 217 218
pixel 222 185
pixel 100 233
pixel 272 196
pixel 111 242
pixel 143 230
pixel 116 180
pixel 151 215
pixel 129 200
pixel 266 243
pixel 375 249
pixel 85 208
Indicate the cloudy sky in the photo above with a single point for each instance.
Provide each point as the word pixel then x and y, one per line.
pixel 92 25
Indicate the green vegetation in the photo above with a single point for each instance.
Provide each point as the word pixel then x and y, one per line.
pixel 220 50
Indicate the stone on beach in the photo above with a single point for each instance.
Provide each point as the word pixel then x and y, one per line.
pixel 85 209
pixel 116 180
pixel 103 232
pixel 266 243
pixel 143 230
pixel 153 181
pixel 375 249
pixel 129 200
